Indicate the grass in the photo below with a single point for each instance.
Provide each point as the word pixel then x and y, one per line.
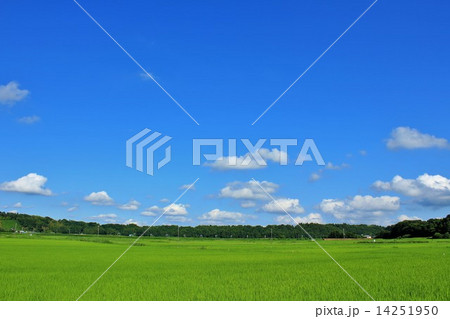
pixel 56 267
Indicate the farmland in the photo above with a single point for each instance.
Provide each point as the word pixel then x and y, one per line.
pixel 61 267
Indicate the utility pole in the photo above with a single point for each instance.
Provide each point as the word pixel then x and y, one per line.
pixel 98 230
pixel 271 233
pixel 343 232
pixel 178 232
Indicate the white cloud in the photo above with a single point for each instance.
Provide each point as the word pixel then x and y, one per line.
pixel 151 211
pixel 107 218
pixel 170 210
pixel 410 138
pixel 154 208
pixel 247 161
pixel 234 162
pixel 29 119
pixel 99 198
pixel 248 190
pixel 164 200
pixel 29 184
pixel 333 167
pixel 10 93
pixel 176 209
pixel 282 205
pixel 148 213
pixel 405 217
pixel 188 186
pixel 70 209
pixel 329 167
pixel 361 209
pixel 428 190
pixel 217 216
pixel 315 177
pixel 132 221
pixel 363 152
pixel 370 203
pixel 17 205
pixel 273 155
pixel 131 205
pixel 311 218
pixel 247 204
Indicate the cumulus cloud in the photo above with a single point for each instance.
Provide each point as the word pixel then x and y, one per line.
pixel 217 216
pixel 315 218
pixel 151 211
pixel 410 138
pixel 29 184
pixel 250 160
pixel 29 119
pixel 428 190
pixel 18 205
pixel 329 167
pixel 131 205
pixel 107 218
pixel 10 93
pixel 99 198
pixel 174 213
pixel 361 209
pixel 273 155
pixel 405 217
pixel 283 205
pixel 176 209
pixel 164 200
pixel 248 190
pixel 133 222
pixel 170 210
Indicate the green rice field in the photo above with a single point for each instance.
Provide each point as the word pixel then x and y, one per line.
pixel 56 267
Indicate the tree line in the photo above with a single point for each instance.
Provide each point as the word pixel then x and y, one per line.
pixel 435 228
pixel 33 223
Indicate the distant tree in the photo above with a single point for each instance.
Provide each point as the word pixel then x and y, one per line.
pixel 438 236
pixel 335 234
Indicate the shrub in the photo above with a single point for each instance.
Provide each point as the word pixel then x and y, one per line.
pixel 438 236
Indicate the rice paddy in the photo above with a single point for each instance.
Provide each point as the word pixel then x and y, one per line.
pixel 56 267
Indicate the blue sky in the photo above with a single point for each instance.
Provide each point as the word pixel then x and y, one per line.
pixel 376 105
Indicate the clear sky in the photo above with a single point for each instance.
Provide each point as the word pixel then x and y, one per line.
pixel 376 105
